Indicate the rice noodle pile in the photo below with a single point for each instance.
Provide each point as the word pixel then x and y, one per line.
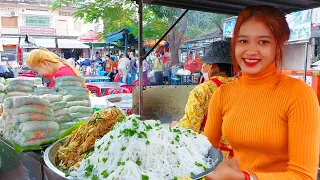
pixel 145 150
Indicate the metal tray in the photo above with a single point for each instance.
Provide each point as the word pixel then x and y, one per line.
pixel 51 153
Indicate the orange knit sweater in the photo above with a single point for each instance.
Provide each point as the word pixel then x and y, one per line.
pixel 272 123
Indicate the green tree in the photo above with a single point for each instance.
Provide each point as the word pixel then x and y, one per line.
pixel 117 14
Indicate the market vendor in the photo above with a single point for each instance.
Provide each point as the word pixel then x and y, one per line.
pixel 49 65
pixel 271 120
pixel 216 70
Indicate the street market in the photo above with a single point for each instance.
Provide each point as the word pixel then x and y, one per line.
pixel 239 101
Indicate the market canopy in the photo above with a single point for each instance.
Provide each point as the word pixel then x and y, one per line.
pixel 153 42
pixel 233 7
pixel 90 36
pixel 71 44
pixel 117 35
pixel 38 42
pixel 96 44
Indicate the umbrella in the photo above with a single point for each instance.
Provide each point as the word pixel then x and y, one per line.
pixel 153 42
pixel 89 37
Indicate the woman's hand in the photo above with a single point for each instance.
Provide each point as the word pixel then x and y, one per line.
pixel 174 123
pixel 228 170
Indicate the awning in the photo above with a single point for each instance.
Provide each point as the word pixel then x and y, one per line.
pixel 71 44
pixel 9 41
pixel 39 42
pixel 234 7
pixel 116 35
pixel 96 44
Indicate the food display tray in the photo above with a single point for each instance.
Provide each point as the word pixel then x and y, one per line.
pixel 50 155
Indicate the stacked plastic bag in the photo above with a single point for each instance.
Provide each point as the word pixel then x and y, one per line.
pixel 3 95
pixel 60 111
pixel 41 90
pixel 20 87
pixel 76 96
pixel 29 120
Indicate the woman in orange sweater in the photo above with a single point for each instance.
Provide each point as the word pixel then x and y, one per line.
pixel 270 120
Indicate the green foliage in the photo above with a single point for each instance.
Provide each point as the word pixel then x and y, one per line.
pixel 116 14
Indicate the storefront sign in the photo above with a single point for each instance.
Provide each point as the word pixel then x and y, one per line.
pixel 228 27
pixel 31 30
pixel 300 25
pixel 316 16
pixel 315 31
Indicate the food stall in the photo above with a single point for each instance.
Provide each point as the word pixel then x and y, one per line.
pixel 129 141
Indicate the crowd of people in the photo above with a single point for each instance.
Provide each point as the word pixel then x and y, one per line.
pixel 127 66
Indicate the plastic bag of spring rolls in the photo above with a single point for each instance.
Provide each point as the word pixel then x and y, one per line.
pixel 80 115
pixel 75 92
pixel 37 125
pixel 45 90
pixel 20 147
pixel 62 84
pixel 52 98
pixel 78 103
pixel 66 125
pixel 2 97
pixel 22 82
pixel 20 88
pixel 73 88
pixel 60 112
pixel 29 100
pixel 16 93
pixel 8 103
pixel 2 87
pixel 70 98
pixel 69 78
pixel 42 133
pixel 29 109
pixel 58 105
pixel 36 141
pixel 64 118
pixel 82 109
pixel 31 117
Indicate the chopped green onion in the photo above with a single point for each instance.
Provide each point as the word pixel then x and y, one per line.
pixel 144 177
pixel 147 142
pixel 105 174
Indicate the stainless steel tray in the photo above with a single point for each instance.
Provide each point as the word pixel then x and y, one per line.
pixel 51 153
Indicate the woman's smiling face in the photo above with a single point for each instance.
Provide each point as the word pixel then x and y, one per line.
pixel 255 47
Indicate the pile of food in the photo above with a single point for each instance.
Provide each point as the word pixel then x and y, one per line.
pixel 3 94
pixel 81 141
pixel 29 120
pixel 137 150
pixel 75 95
pixel 41 90
pixel 20 87
pixel 60 111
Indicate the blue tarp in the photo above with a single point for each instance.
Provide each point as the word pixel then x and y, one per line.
pixel 114 36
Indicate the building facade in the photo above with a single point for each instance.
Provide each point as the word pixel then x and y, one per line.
pixel 49 29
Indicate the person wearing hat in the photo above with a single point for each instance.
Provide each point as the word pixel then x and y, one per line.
pixel 216 70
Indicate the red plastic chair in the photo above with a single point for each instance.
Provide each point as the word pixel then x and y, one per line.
pixel 130 87
pixel 136 83
pixel 94 89
pixel 117 77
pixel 120 90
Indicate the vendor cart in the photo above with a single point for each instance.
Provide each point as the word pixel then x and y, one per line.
pixel 29 165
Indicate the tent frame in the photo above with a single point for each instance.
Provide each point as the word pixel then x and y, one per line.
pixel 289 7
